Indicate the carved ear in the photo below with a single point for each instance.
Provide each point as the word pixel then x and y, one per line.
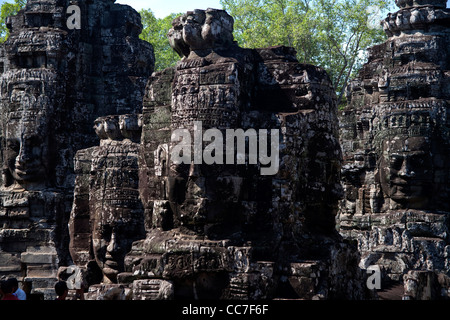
pixel 7 179
pixel 377 173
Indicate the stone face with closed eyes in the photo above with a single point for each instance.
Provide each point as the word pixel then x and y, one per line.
pixel 395 139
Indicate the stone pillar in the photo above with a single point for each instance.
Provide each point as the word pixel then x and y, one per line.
pixel 395 139
pixel 55 82
pixel 228 229
pixel 107 214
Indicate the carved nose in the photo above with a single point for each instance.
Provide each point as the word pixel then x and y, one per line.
pixel 113 246
pixel 405 170
pixel 194 171
pixel 23 157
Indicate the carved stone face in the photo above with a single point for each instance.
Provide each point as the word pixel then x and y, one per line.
pixel 206 199
pixel 99 129
pixel 200 30
pixel 116 211
pixel 111 126
pixel 130 126
pixel 112 238
pixel 25 157
pixel 406 172
pixel 27 138
pixel 187 192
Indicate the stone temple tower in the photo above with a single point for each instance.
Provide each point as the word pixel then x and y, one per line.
pixel 55 81
pixel 396 146
pixel 222 229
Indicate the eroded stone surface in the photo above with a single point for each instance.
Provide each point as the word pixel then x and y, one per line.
pixel 227 231
pixel 144 227
pixel 55 82
pixel 107 215
pixel 395 140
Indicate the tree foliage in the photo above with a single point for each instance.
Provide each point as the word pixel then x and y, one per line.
pixel 155 31
pixel 8 9
pixel 328 33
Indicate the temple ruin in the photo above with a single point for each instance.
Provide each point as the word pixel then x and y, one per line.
pixel 395 140
pixel 91 192
pixel 55 83
pixel 224 231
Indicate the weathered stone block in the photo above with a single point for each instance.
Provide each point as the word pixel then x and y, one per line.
pixel 9 263
pixel 52 90
pixel 394 134
pixel 153 289
pixel 109 292
pixel 38 258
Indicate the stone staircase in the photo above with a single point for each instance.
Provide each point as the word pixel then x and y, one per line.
pixel 41 270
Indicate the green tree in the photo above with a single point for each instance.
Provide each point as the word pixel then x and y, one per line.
pixel 329 33
pixel 8 9
pixel 346 30
pixel 155 31
pixel 263 23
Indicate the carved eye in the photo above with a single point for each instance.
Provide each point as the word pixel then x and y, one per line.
pixel 35 140
pixel 13 144
pixel 36 151
pixel 418 161
pixel 396 161
pixel 105 232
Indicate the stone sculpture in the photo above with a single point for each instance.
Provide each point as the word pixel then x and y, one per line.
pixel 225 230
pixel 107 215
pixel 55 82
pixel 395 139
pixel 131 218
